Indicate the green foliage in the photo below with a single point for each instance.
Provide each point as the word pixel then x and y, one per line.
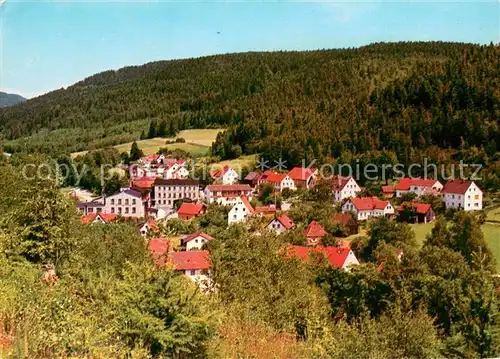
pixel 135 152
pixel 160 310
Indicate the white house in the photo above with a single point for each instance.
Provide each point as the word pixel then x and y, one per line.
pixel 193 264
pixel 281 224
pixel 418 186
pixel 344 187
pixel 240 211
pixel 280 181
pixel 175 169
pixel 367 207
pixel 196 241
pixel 226 175
pixel 462 194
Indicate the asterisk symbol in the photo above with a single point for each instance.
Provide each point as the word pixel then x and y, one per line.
pixel 280 164
pixel 262 164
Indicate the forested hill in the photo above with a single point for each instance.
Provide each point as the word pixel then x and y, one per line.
pixel 392 96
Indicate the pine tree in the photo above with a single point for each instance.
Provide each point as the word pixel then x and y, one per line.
pixel 135 152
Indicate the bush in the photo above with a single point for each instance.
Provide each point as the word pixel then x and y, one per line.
pixel 180 140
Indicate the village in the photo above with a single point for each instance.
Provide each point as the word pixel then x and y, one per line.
pixel 160 190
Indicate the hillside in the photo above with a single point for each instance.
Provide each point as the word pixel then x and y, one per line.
pixel 320 104
pixel 8 99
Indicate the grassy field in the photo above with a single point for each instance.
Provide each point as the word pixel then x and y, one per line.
pixel 198 142
pixel 493 215
pixel 237 163
pixel 491 235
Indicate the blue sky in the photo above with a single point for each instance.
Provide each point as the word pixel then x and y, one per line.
pixel 49 45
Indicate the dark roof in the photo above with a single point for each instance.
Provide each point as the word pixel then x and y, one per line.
pixel 132 192
pixel 176 182
pixel 252 176
pixel 89 204
pixel 457 186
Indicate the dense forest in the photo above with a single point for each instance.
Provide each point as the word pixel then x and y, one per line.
pixel 392 96
pixel 93 291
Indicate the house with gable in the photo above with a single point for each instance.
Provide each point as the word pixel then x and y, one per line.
pixel 303 177
pixel 463 195
pixel 421 212
pixel 240 211
pixel 367 207
pixel 281 224
pixel 314 233
pixel 196 241
pixel 99 217
pixel 347 222
pixel 226 195
pixel 148 228
pixel 344 187
pixel 174 169
pixel 252 179
pixel 279 181
pixel 193 264
pixel 338 257
pixel 226 175
pixel 418 186
pixel 190 210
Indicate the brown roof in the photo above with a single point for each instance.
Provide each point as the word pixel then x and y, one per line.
pixel 342 218
pixel 228 187
pixel 456 186
pixel 315 229
pixel 176 182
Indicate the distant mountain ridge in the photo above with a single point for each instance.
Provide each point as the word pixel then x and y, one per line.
pixel 9 99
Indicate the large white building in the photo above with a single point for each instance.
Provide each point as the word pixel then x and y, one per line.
pixel 128 202
pixel 462 194
pixel 344 187
pixel 367 207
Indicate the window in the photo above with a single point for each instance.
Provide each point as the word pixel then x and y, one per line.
pixel 234 216
pixel 119 210
pixel 195 241
pixel 193 272
pixel 133 201
pixel 112 209
pixel 133 209
pixel 90 210
pixel 112 201
pixel 476 204
pixel 99 209
pixel 119 201
pixel 126 210
pixel 126 201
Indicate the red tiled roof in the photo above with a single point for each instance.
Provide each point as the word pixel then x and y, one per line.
pixel 106 217
pixel 158 247
pixel 228 187
pixel 219 172
pixel 275 177
pixel 456 186
pixel 247 204
pixel 301 173
pixel 405 183
pixel 192 209
pixel 421 208
pixel 195 235
pixel 190 260
pixel 368 203
pixel 143 182
pixel 285 221
pixel 336 256
pixel 387 189
pixel 315 230
pixel 342 218
pixel 339 182
pixel 151 223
